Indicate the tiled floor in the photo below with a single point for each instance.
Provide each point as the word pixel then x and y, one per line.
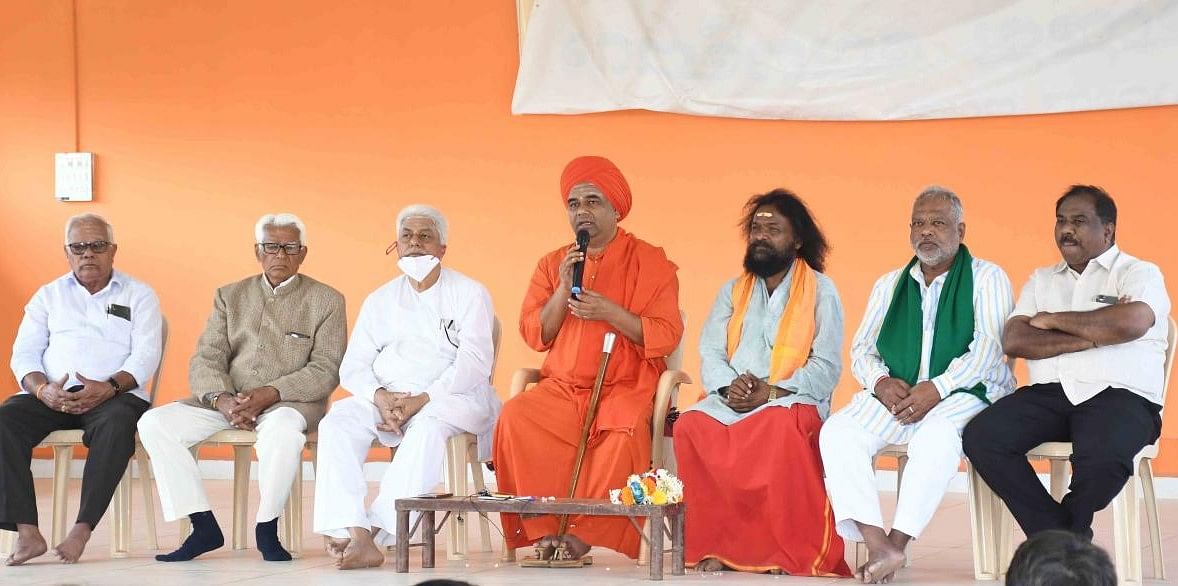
pixel 941 556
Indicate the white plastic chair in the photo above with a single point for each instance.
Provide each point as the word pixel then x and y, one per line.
pixel 981 504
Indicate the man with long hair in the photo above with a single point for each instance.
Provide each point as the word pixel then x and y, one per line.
pixel 770 358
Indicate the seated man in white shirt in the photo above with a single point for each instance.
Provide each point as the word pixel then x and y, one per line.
pixel 86 344
pixel 1093 330
pixel 418 366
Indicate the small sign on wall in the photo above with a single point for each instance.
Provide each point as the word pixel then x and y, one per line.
pixel 73 176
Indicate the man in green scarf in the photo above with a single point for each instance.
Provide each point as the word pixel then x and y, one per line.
pixel 928 355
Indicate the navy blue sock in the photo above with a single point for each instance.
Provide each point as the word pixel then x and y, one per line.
pixel 266 537
pixel 206 536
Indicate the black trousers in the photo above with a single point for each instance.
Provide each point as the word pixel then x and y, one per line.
pixel 108 432
pixel 1106 432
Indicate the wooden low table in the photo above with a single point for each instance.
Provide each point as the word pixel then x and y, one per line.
pixel 596 507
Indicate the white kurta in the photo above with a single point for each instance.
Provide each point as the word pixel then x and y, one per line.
pixel 436 341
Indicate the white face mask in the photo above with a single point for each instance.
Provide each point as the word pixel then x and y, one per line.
pixel 418 267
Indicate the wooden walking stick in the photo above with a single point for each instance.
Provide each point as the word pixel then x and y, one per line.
pixel 594 398
pixel 557 559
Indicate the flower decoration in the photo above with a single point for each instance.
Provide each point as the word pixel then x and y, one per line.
pixel 656 487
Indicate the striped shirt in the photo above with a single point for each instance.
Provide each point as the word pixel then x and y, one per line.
pixel 984 362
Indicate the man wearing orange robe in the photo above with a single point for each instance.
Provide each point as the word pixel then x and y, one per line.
pixel 630 289
pixel 770 357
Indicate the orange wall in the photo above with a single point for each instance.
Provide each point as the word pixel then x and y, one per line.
pixel 204 115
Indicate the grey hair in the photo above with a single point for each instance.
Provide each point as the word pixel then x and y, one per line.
pixel 278 221
pixel 944 194
pixel 89 218
pixel 419 210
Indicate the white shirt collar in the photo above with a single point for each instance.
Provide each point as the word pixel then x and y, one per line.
pixel 116 278
pixel 289 281
pixel 1105 260
pixel 917 273
pixel 412 289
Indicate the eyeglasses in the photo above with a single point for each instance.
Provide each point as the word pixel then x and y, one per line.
pixel 79 248
pixel 291 248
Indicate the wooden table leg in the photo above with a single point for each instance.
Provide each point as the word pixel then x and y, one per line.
pixel 427 539
pixel 677 549
pixel 656 524
pixel 402 541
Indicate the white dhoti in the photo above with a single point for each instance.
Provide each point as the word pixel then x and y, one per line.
pixel 169 431
pixel 345 436
pixel 850 440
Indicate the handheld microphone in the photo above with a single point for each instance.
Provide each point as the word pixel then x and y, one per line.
pixel 579 266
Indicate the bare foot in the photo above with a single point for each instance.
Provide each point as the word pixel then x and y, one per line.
pixel 29 544
pixel 900 541
pixel 881 566
pixel 575 547
pixel 335 546
pixel 859 573
pixel 710 565
pixel 546 547
pixel 360 553
pixel 69 550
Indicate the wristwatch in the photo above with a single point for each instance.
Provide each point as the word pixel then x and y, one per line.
pixel 210 399
pixel 114 384
pixel 773 392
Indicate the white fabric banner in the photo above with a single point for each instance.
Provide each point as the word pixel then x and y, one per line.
pixel 847 60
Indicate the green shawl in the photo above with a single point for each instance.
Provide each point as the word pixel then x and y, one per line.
pixel 900 335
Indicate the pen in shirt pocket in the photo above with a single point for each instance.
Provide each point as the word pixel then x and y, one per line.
pixel 298 336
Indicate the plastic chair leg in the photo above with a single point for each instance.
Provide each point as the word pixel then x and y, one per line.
pixel 1145 471
pixel 241 483
pixel 1059 479
pixel 120 517
pixel 981 509
pixel 456 465
pixel 291 522
pixel 1127 534
pixel 7 542
pixel 185 523
pixel 145 483
pixel 62 457
pixel 476 472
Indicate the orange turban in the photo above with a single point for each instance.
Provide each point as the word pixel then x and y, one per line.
pixel 600 172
